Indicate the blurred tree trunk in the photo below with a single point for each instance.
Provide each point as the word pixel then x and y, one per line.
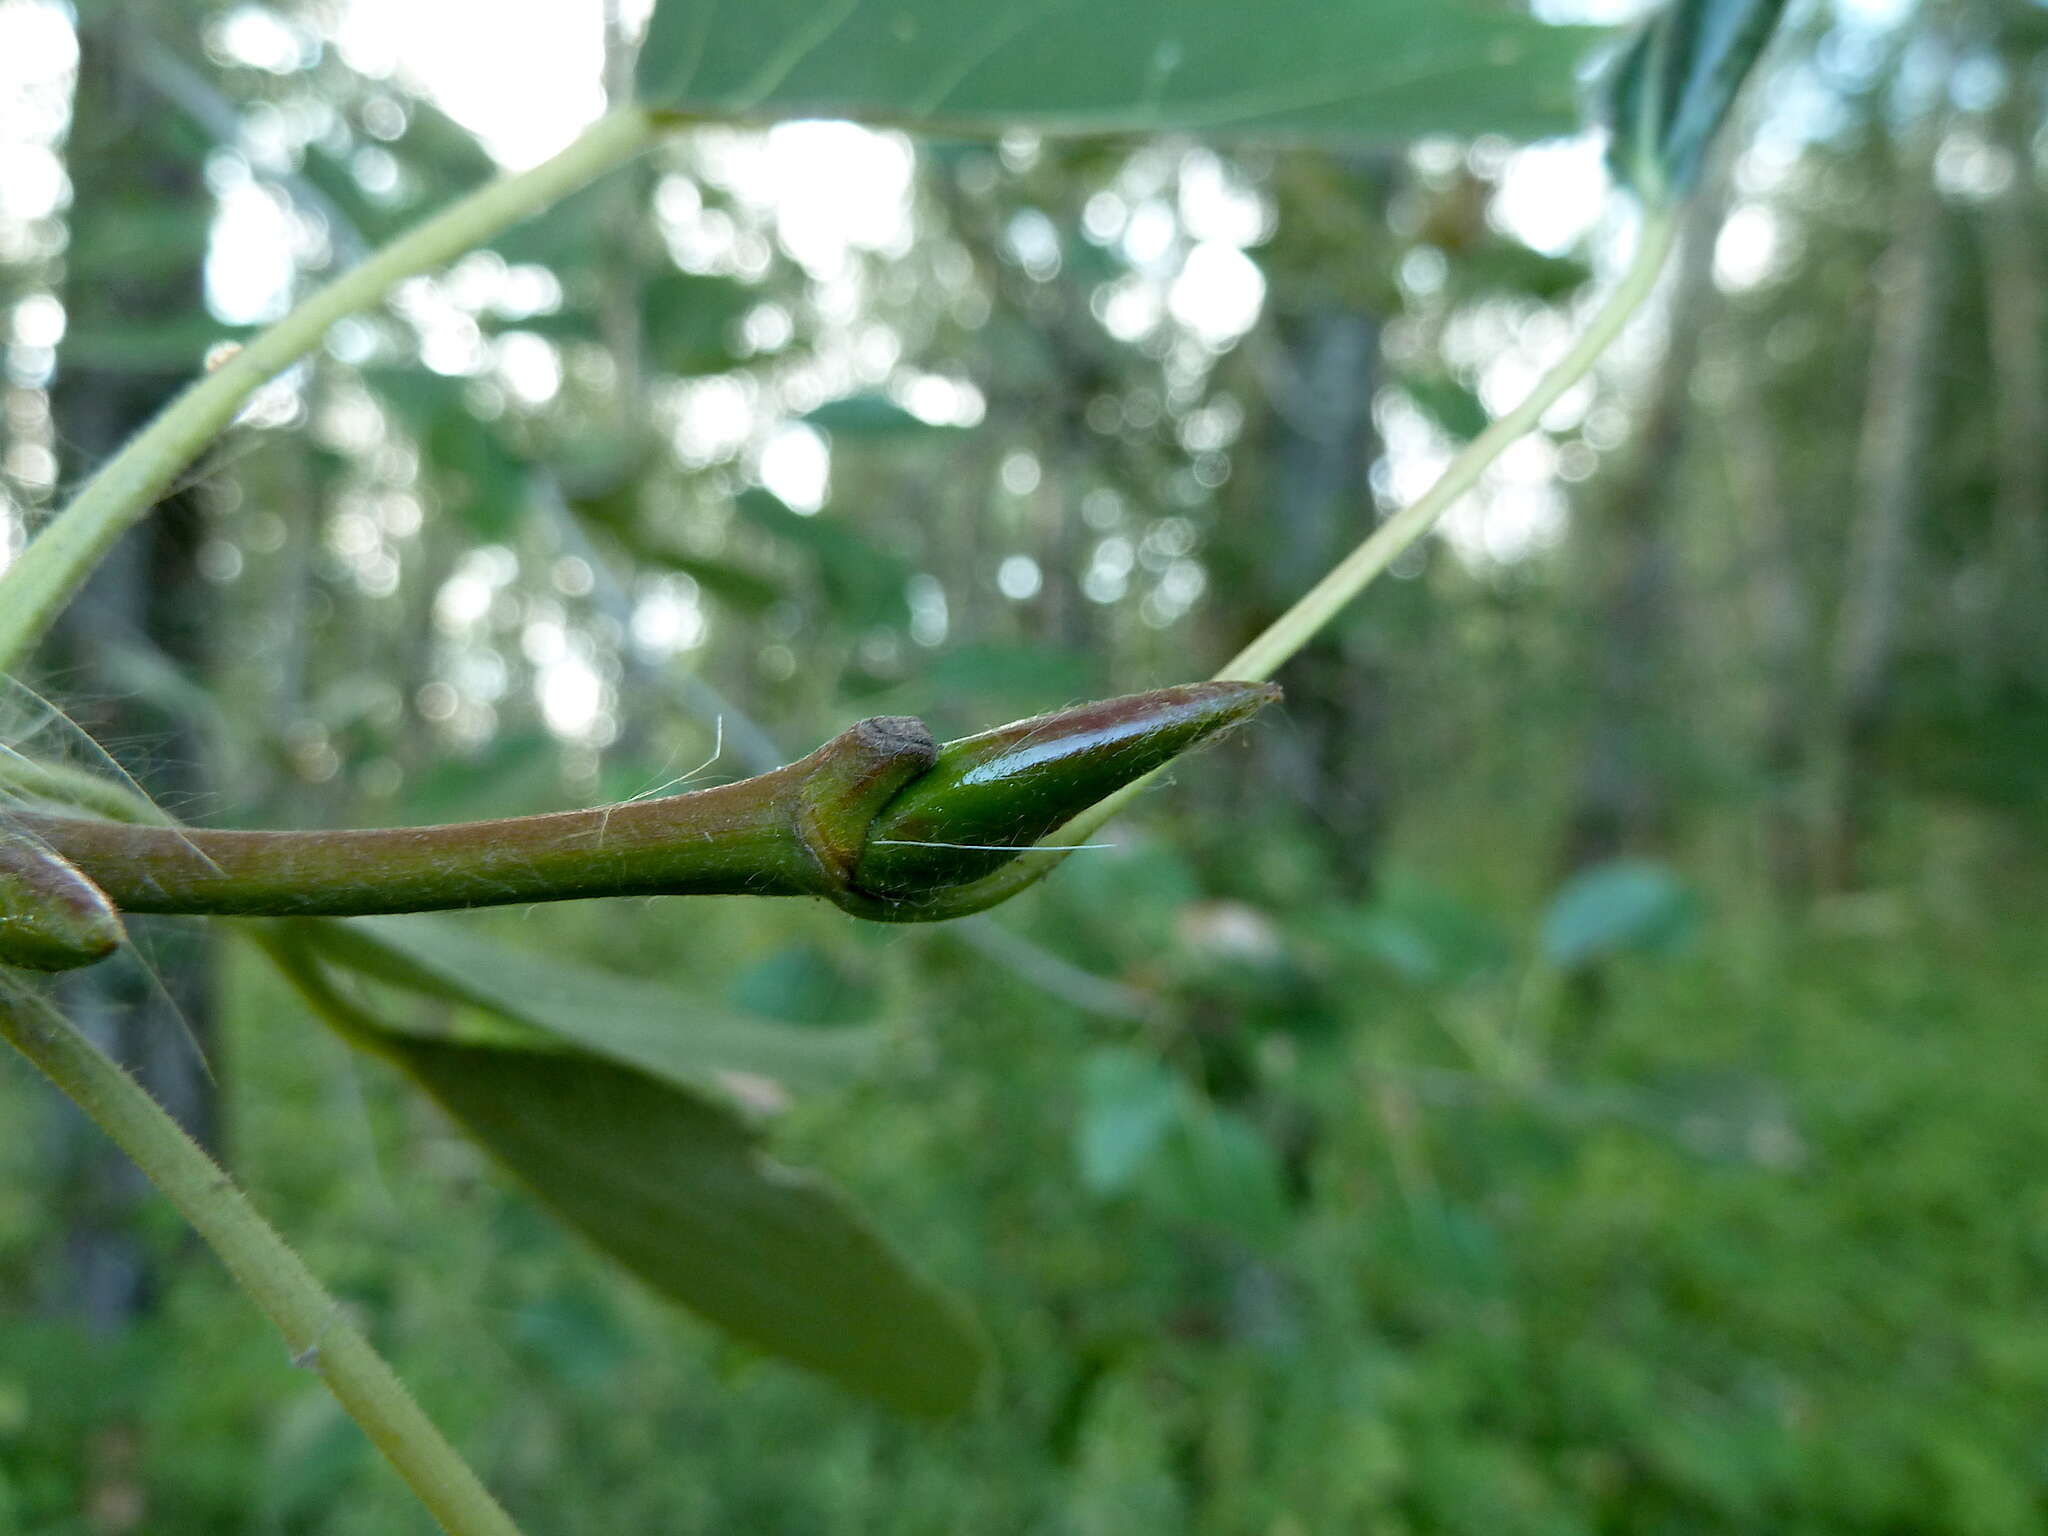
pixel 1891 470
pixel 2013 274
pixel 1320 446
pixel 1620 799
pixel 133 168
pixel 1302 498
pixel 1782 629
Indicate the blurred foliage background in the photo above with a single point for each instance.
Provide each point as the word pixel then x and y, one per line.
pixel 1569 1070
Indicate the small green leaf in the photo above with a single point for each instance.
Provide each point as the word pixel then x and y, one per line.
pixel 1128 1103
pixel 1624 906
pixel 1672 86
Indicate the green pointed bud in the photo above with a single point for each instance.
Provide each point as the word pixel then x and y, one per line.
pixel 989 796
pixel 51 917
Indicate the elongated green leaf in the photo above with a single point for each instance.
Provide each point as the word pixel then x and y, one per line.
pixel 1291 69
pixel 636 1023
pixel 674 1185
pixel 1672 86
pixel 680 1192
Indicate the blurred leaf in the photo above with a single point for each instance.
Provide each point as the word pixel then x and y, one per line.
pixel 171 345
pixel 1508 266
pixel 662 1031
pixel 1618 907
pixel 870 416
pixel 1668 93
pixel 1118 905
pixel 313 1454
pixel 691 320
pixel 128 237
pixel 863 583
pixel 515 772
pixel 1216 1171
pixel 437 158
pixel 989 680
pixel 744 588
pixel 471 467
pixel 579 1343
pixel 675 1186
pixel 569 235
pixel 1128 1104
pixel 805 984
pixel 1292 69
pixel 616 511
pixel 1423 934
pixel 1452 406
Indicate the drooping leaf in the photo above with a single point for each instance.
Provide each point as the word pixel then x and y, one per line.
pixel 680 1191
pixel 677 1038
pixel 1289 69
pixel 1671 88
pixel 675 1185
pixel 1623 906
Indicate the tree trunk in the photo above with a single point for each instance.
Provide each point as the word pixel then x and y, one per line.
pixel 2013 275
pixel 1619 801
pixel 130 160
pixel 1782 627
pixel 1315 501
pixel 1891 466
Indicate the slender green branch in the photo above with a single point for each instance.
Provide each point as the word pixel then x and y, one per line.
pixel 874 820
pixel 38 585
pixel 315 1328
pixel 1321 603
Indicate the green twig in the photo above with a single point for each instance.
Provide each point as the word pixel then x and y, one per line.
pixel 874 820
pixel 1322 602
pixel 316 1330
pixel 58 559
